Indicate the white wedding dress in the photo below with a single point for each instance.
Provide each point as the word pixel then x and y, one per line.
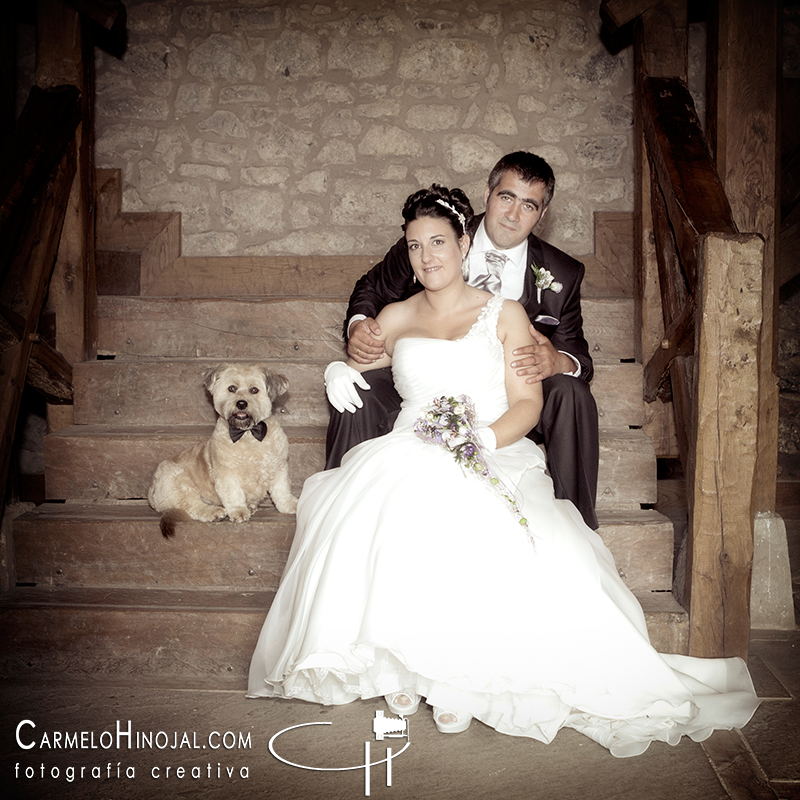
pixel 407 574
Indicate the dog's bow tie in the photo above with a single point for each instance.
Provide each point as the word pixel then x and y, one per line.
pixel 259 431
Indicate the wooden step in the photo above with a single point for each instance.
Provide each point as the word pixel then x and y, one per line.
pixel 609 270
pixel 194 634
pixel 129 632
pixel 171 392
pixel 627 470
pixel 120 546
pixel 286 328
pixel 132 249
pixel 261 276
pixel 99 462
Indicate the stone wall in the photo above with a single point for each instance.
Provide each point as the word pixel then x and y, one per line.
pixel 300 128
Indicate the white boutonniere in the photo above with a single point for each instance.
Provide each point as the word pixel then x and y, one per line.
pixel 544 280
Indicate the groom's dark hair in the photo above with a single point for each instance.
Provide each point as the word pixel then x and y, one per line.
pixel 528 167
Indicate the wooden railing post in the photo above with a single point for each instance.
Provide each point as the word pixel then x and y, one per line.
pixel 65 56
pixel 722 480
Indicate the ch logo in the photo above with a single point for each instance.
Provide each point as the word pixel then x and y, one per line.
pixel 383 728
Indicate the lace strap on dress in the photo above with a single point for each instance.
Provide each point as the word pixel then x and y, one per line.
pixel 486 324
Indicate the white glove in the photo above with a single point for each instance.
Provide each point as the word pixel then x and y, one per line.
pixel 487 438
pixel 340 383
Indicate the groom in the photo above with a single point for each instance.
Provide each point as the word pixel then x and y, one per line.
pixel 506 259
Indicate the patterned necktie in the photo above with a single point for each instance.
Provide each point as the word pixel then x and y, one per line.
pixel 495 262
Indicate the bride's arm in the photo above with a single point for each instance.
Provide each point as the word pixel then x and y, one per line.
pixel 389 320
pixel 524 399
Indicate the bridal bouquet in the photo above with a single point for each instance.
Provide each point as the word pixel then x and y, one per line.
pixel 449 422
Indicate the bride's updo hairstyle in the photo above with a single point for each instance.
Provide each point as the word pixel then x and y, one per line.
pixel 439 201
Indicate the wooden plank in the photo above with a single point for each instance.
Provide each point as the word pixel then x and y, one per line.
pixel 722 476
pixel 37 251
pixel 693 193
pixel 222 328
pixel 97 462
pixel 609 271
pixel 268 276
pixel 662 41
pixel 616 13
pixel 8 76
pixel 118 273
pixel 45 127
pixel 111 14
pixel 748 161
pixel 677 311
pixel 789 267
pixel 104 631
pixel 121 546
pixel 659 425
pixel 292 328
pixel 65 55
pixel 678 341
pixel 48 371
pixel 190 633
pixel 171 392
pixel 642 544
pixel 626 476
pixel 88 462
pixel 660 50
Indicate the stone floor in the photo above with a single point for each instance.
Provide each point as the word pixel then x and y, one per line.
pixel 212 743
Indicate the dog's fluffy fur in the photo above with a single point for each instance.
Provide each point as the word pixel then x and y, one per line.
pixel 220 478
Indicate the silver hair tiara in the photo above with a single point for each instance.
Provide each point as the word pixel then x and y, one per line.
pixel 461 218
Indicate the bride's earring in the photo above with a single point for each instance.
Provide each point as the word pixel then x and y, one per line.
pixel 465 268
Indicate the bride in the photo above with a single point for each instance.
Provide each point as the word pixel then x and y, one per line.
pixel 436 562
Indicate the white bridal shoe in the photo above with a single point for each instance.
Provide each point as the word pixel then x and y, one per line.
pixel 451 721
pixel 402 702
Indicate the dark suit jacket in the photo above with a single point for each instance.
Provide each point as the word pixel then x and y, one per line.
pixel 393 279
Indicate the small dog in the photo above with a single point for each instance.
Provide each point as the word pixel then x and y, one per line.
pixel 244 460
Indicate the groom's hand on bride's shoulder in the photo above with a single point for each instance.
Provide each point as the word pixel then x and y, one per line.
pixel 540 360
pixel 365 345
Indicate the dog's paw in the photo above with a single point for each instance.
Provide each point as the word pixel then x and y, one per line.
pixel 210 514
pixel 287 505
pixel 241 514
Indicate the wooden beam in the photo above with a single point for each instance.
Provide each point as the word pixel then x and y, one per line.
pixel 652 38
pixel 678 341
pixel 722 476
pixel 37 249
pixel 8 74
pixel 65 55
pixel 660 50
pixel 616 13
pixel 45 127
pixel 48 371
pixel 789 267
pixel 746 43
pixel 693 193
pixel 111 14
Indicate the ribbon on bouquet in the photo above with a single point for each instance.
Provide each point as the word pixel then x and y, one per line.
pixel 449 422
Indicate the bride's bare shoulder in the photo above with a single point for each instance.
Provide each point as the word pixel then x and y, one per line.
pixel 513 319
pixel 395 316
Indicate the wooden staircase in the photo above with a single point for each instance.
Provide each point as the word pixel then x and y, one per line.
pixel 100 592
